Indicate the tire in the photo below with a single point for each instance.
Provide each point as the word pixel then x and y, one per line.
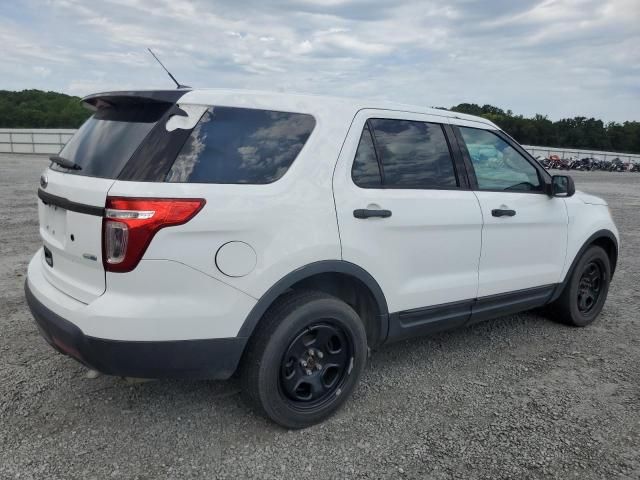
pixel 577 306
pixel 309 339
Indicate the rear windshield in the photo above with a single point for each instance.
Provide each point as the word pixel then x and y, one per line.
pixel 105 142
pixel 241 145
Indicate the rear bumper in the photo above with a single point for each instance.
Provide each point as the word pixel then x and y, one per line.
pixel 204 358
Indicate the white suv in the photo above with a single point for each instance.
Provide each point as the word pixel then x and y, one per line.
pixel 202 233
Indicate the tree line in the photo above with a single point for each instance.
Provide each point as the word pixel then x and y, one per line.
pixel 38 109
pixel 578 132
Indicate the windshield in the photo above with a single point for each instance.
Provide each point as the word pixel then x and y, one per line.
pixel 105 142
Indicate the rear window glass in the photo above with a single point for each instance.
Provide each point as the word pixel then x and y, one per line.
pixel 105 142
pixel 412 154
pixel 239 145
pixel 366 170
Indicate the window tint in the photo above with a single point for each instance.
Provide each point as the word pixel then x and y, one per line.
pixel 413 154
pixel 105 142
pixel 238 145
pixel 497 164
pixel 366 171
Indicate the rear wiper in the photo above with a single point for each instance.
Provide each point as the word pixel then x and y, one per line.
pixel 63 162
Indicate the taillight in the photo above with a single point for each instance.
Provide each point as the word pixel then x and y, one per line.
pixel 129 224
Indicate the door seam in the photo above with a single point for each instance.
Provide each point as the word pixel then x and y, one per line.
pixel 481 240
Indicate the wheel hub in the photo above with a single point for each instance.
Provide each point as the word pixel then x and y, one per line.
pixel 590 286
pixel 315 363
pixel 311 361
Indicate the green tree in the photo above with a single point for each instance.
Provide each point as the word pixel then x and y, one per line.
pixel 38 109
pixel 577 132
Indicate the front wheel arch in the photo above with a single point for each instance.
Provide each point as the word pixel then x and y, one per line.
pixel 602 238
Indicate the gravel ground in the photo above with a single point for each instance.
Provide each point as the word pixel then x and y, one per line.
pixel 518 397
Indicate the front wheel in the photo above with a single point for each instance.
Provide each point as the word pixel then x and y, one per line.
pixel 304 359
pixel 586 291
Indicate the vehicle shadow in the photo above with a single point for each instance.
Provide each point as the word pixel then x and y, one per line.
pixel 457 353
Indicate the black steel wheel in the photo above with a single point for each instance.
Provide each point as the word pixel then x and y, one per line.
pixel 585 292
pixel 315 364
pixel 304 359
pixel 590 286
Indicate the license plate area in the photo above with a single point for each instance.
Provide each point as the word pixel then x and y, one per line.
pixel 55 225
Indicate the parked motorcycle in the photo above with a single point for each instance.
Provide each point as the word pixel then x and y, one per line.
pixel 605 165
pixel 584 164
pixel 545 162
pixel 616 165
pixel 587 164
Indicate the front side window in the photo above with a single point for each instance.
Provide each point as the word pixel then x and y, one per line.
pixel 240 145
pixel 499 166
pixel 412 155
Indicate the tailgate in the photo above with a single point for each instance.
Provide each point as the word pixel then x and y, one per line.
pixel 70 212
pixel 74 188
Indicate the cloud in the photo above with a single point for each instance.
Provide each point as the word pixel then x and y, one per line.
pixel 557 57
pixel 41 71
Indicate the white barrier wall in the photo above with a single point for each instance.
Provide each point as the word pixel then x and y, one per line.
pixel 23 140
pixel 51 141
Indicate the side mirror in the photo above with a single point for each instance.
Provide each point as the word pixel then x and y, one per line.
pixel 562 186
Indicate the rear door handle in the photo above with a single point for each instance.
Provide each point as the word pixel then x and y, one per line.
pixel 499 212
pixel 369 213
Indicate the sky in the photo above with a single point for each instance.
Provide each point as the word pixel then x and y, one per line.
pixel 560 58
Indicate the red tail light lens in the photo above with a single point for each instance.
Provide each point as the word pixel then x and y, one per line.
pixel 129 225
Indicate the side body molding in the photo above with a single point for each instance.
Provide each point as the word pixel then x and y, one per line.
pixel 324 266
pixel 547 294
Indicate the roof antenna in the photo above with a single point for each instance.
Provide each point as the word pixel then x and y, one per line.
pixel 178 85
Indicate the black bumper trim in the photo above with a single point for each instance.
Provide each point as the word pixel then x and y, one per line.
pixel 65 203
pixel 216 358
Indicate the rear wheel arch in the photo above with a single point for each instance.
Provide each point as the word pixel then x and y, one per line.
pixel 344 280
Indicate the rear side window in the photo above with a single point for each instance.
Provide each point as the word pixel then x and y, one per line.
pixel 239 145
pixel 411 155
pixel 105 142
pixel 366 169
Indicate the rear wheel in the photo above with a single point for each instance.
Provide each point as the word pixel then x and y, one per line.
pixel 304 359
pixel 584 295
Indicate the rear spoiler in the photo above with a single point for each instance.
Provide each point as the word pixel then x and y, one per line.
pixel 96 100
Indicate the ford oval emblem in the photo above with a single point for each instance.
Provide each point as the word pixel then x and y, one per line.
pixel 44 181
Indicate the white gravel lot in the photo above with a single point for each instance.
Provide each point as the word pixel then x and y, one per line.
pixel 518 397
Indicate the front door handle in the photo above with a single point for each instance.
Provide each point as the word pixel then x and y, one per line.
pixel 499 212
pixel 369 213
